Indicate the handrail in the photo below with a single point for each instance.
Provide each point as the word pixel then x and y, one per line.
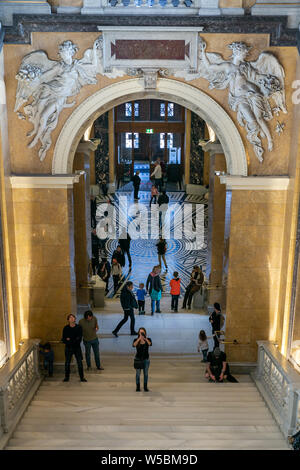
pixel 279 384
pixel 19 379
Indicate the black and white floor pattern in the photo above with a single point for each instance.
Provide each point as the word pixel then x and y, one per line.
pixel 182 254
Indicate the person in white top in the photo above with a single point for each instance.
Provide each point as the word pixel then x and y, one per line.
pixel 203 344
pixel 157 173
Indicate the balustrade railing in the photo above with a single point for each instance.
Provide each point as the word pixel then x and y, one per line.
pixel 279 384
pixel 19 380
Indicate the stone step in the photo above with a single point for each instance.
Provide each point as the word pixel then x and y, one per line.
pixel 112 420
pixel 76 402
pixel 146 444
pixel 111 428
pixel 134 435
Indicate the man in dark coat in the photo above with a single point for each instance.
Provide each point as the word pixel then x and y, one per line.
pixel 72 337
pixel 128 303
pixel 215 320
pixel 136 184
pixel 124 242
pixel 119 256
pixel 217 366
pixel 163 201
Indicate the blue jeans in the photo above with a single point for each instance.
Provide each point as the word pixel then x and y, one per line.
pixel 94 343
pixel 153 305
pixel 204 352
pixel 138 373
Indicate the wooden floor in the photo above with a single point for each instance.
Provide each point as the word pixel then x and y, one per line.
pixel 181 411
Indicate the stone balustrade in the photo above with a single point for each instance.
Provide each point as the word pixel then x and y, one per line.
pixel 19 380
pixel 279 384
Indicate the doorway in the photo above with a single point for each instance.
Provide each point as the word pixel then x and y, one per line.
pixel 147 130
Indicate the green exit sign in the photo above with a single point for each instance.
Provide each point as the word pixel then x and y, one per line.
pixel 149 131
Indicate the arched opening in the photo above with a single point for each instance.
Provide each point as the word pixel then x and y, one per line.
pixel 185 95
pixel 69 157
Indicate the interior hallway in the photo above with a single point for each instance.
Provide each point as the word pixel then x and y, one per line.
pixel 181 411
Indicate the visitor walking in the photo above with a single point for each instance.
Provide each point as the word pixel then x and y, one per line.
pixel 163 201
pixel 119 256
pixel 195 284
pixel 175 291
pixel 141 294
pixel 215 320
pixel 141 360
pixel 157 174
pixel 104 271
pixel 116 271
pixel 154 287
pixel 90 327
pixel 71 337
pixel 128 303
pixel 154 194
pixel 136 184
pixel 96 244
pixel 124 242
pixel 161 251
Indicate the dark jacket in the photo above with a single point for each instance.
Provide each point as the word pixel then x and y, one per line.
pixel 163 199
pixel 75 335
pixel 153 282
pixel 136 180
pixel 125 243
pixel 107 267
pixel 215 320
pixel 119 256
pixel 127 299
pixel 161 248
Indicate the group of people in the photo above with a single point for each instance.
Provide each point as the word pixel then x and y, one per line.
pixel 217 368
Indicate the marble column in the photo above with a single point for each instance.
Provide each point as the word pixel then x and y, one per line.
pixel 82 221
pixel 187 146
pixel 111 150
pixel 216 220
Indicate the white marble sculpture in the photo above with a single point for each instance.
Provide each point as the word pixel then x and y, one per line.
pixel 252 86
pixel 50 83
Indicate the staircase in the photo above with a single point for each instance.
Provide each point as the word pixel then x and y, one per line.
pixel 181 411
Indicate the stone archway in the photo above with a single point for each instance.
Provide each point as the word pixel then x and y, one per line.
pixel 167 89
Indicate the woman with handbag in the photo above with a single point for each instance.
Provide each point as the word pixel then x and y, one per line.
pixel 141 360
pixel 154 288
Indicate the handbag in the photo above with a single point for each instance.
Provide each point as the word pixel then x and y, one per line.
pixel 138 363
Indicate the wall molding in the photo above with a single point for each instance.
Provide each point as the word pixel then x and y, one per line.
pixel 44 182
pixel 256 183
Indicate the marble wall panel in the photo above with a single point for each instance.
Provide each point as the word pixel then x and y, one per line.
pixel 43 264
pixel 255 261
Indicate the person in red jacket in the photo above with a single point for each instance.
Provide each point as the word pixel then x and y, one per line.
pixel 175 291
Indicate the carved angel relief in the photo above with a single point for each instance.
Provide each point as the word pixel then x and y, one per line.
pixel 50 83
pixel 252 87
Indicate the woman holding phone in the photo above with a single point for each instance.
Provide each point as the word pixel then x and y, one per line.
pixel 141 360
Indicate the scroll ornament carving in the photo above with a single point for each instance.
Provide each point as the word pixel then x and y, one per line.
pixel 48 84
pixel 253 88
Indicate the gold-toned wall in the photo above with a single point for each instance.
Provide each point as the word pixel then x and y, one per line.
pixel 44 284
pixel 25 160
pixel 253 286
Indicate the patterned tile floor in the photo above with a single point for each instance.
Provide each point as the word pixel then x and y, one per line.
pixel 181 254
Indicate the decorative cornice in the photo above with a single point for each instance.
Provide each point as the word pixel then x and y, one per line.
pixel 250 183
pixel 44 181
pixel 87 146
pixel 275 26
pixel 212 147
